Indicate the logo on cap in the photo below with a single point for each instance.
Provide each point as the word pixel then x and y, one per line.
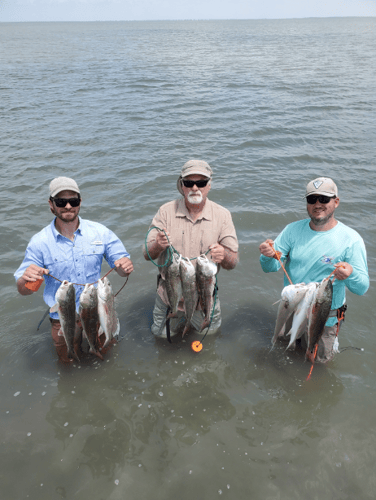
pixel 317 184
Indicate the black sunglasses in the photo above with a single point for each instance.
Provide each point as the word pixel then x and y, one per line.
pixel 199 184
pixel 62 202
pixel 312 198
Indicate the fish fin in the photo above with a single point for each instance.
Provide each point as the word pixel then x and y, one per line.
pixel 100 331
pixel 54 308
pixel 60 333
pixel 276 302
pixel 117 332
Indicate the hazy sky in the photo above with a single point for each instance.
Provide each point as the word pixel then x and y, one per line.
pixel 116 10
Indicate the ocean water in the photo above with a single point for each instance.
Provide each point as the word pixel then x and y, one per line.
pixel 121 107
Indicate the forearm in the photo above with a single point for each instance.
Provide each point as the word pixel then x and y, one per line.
pixel 154 251
pixel 269 264
pixel 230 260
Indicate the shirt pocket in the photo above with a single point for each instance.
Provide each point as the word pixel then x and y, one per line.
pixel 59 266
pixel 93 256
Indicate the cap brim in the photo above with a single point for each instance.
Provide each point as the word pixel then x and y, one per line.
pixel 195 173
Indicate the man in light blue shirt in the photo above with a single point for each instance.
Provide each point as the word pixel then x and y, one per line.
pixel 70 248
pixel 314 247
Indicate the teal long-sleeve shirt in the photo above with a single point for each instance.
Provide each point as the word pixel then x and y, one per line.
pixel 310 256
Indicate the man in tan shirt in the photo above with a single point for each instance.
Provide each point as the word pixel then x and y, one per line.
pixel 193 225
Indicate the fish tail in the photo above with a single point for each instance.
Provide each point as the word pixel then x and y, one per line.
pixel 186 328
pixel 97 353
pixel 73 355
pixel 205 324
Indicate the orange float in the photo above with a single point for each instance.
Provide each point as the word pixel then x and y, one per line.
pixel 196 346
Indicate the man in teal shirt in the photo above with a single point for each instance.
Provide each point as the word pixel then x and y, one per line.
pixel 314 247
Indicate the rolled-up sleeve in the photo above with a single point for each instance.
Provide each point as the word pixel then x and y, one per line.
pixel 114 248
pixel 33 255
pixel 228 237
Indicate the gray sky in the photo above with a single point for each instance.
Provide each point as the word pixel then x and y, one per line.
pixel 118 10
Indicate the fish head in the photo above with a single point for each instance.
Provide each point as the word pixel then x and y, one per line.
pixel 65 291
pixel 104 288
pixel 294 293
pixel 89 297
pixel 206 266
pixel 187 269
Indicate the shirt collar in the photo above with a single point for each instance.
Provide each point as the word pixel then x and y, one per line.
pixel 56 233
pixel 182 210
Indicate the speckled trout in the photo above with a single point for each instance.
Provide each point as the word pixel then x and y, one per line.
pixel 88 310
pixel 108 319
pixel 206 271
pixel 291 295
pixel 189 288
pixel 318 316
pixel 301 314
pixel 66 308
pixel 173 284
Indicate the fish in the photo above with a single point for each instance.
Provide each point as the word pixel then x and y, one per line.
pixel 319 313
pixel 189 289
pixel 88 310
pixel 66 308
pixel 301 314
pixel 206 271
pixel 291 295
pixel 173 284
pixel 108 319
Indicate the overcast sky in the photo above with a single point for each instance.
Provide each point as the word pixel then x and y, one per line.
pixel 127 10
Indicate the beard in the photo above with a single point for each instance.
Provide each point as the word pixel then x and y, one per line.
pixel 61 217
pixel 194 197
pixel 322 221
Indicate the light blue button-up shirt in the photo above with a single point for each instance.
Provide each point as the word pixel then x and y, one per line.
pixel 77 261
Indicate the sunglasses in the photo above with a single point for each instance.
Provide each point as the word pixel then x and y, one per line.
pixel 62 202
pixel 312 198
pixel 199 184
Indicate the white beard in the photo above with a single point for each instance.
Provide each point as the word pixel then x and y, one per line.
pixel 194 197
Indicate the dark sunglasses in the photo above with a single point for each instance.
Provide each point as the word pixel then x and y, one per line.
pixel 199 184
pixel 312 198
pixel 62 202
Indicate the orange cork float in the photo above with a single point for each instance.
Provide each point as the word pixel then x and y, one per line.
pixel 34 285
pixel 196 346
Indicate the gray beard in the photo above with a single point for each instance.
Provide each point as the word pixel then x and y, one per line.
pixel 194 200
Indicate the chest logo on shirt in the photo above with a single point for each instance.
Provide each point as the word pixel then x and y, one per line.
pixel 327 260
pixel 317 184
pixel 97 242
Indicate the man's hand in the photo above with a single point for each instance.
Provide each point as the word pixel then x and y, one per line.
pixel 266 249
pixel 123 266
pixel 31 275
pixel 161 242
pixel 224 256
pixel 217 253
pixel 34 273
pixel 343 270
